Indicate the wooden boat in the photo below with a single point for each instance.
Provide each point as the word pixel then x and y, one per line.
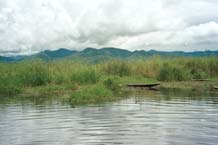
pixel 215 87
pixel 201 80
pixel 143 85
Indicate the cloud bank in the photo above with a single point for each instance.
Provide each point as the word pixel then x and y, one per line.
pixel 30 26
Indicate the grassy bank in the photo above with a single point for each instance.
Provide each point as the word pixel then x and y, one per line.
pixel 92 94
pixel 94 82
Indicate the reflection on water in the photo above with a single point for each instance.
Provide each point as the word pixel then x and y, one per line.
pixel 169 117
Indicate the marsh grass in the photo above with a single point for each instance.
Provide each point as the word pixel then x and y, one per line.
pixel 92 95
pixel 50 90
pixel 117 68
pixel 169 72
pixel 15 77
pixel 9 90
pixel 34 74
pixel 9 82
pixel 85 76
pixel 113 83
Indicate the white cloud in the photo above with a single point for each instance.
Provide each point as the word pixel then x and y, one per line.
pixel 30 26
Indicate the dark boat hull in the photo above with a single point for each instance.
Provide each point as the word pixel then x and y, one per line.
pixel 143 85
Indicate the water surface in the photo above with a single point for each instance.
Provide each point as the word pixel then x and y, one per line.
pixel 160 118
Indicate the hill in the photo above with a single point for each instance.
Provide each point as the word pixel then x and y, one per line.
pixel 94 55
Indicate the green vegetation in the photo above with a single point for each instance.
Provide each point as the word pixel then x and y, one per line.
pixel 93 83
pixel 170 72
pixel 91 95
pixel 34 74
pixel 85 76
pixel 117 68
pixel 113 83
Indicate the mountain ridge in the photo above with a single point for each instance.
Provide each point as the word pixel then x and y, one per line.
pixel 106 53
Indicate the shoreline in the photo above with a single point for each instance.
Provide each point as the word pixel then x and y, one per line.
pixel 196 85
pixel 66 90
pixel 109 91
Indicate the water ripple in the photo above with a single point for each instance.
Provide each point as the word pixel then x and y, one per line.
pixel 137 120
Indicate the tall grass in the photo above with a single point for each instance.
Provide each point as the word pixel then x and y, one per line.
pixel 9 85
pixel 91 95
pixel 34 74
pixel 119 68
pixel 85 76
pixel 16 76
pixel 149 68
pixel 9 81
pixel 112 83
pixel 169 72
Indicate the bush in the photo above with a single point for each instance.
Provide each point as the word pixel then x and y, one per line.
pixel 200 75
pixel 173 73
pixel 112 83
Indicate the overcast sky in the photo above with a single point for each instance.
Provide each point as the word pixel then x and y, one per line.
pixel 29 26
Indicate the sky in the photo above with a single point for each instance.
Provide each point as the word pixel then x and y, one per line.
pixel 30 26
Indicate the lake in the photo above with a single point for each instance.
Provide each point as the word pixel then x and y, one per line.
pixel 168 117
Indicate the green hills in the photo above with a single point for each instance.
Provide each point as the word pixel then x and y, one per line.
pixel 94 55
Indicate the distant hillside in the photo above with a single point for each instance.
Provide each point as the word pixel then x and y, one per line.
pixel 59 53
pixel 109 51
pixel 6 59
pixel 94 55
pixel 176 53
pixel 52 55
pixel 11 59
